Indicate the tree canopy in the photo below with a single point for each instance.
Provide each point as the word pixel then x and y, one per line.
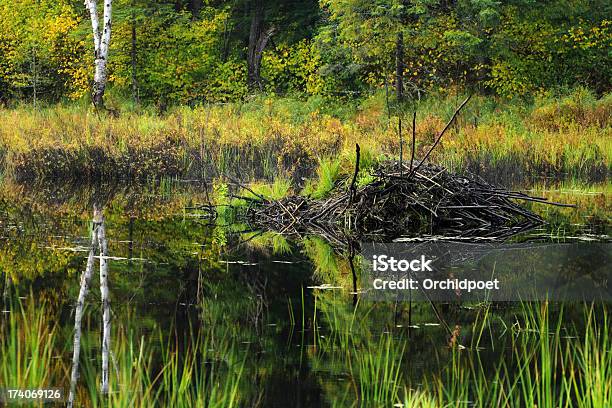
pixel 200 51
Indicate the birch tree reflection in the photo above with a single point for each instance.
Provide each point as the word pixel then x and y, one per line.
pixel 98 239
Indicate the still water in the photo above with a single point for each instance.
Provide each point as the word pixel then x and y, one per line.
pixel 209 314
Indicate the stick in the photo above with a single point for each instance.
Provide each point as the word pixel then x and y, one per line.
pixel 239 184
pixel 353 189
pixel 536 200
pixel 352 265
pixel 450 122
pixel 399 128
pixel 413 138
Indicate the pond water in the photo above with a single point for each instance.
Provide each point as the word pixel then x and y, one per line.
pixel 217 315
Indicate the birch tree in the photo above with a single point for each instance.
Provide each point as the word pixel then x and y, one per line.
pixel 101 43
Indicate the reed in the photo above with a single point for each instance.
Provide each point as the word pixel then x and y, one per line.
pixel 549 365
pixel 29 350
pixel 202 371
pixel 544 358
pixel 562 135
pixel 378 369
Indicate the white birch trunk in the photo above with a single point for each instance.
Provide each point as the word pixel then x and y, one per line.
pixel 92 6
pixel 106 325
pixel 101 45
pixel 78 315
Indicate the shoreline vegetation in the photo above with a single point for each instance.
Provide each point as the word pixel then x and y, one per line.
pixel 543 357
pixel 219 143
pixel 561 138
pixel 526 354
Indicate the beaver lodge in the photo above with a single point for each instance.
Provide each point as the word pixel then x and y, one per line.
pixel 399 202
pixel 402 199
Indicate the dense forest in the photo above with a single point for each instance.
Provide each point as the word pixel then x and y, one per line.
pixel 199 51
pixel 249 163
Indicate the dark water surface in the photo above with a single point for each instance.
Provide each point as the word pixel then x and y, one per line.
pixel 286 306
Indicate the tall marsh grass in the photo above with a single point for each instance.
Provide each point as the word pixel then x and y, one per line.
pixel 197 369
pixel 544 358
pixel 267 137
pixel 30 356
pixel 545 364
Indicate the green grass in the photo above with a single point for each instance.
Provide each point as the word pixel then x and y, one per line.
pixel 28 347
pixel 278 189
pixel 565 135
pixel 549 365
pixel 542 359
pixel 379 371
pixel 328 173
pixel 198 370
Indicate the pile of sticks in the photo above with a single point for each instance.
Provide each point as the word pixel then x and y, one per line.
pixel 402 202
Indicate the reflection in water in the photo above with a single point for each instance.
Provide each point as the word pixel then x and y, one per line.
pixel 203 321
pixel 98 238
pixel 78 314
pixel 106 326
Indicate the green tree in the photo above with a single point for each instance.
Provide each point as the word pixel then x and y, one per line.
pixel 37 48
